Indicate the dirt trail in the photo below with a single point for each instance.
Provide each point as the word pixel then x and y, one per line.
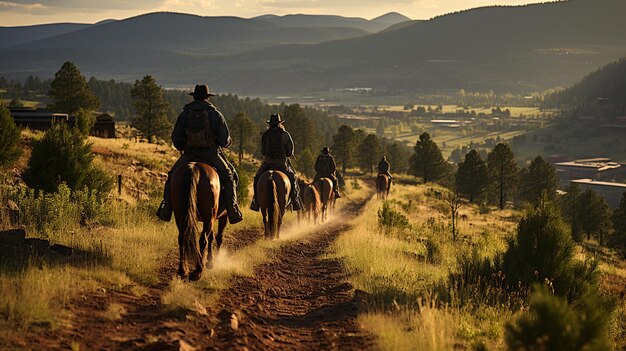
pixel 299 301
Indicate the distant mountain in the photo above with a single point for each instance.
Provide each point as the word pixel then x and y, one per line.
pixel 183 32
pixel 299 20
pixel 11 36
pixel 606 86
pixel 391 18
pixel 506 49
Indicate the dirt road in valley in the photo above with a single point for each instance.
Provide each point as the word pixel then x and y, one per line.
pixel 300 300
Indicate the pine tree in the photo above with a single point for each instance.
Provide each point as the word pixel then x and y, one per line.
pixel 243 133
pixel 503 172
pixel 619 220
pixel 151 108
pixel 369 153
pixel 427 161
pixel 593 214
pixel 306 163
pixel 10 149
pixel 85 121
pixel 472 177
pixel 570 204
pixel 398 156
pixel 539 177
pixel 343 146
pixel 70 92
pixel 63 155
pixel 302 130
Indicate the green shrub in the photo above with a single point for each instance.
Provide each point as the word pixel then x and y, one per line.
pixel 64 156
pixel 543 250
pixel 85 121
pixel 242 188
pixel 434 254
pixel 552 324
pixel 390 218
pixel 10 149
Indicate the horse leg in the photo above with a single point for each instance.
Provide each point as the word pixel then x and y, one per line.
pixel 265 223
pixel 205 245
pixel 182 272
pixel 221 226
pixel 210 263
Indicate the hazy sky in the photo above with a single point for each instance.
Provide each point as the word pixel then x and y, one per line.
pixel 24 12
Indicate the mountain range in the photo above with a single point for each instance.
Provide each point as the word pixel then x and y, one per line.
pixel 503 48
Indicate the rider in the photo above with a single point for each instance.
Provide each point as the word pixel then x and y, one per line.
pixel 383 167
pixel 201 133
pixel 277 147
pixel 325 166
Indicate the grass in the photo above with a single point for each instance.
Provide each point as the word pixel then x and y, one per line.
pixel 396 268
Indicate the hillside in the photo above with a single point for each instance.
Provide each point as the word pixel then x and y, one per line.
pixel 607 83
pixel 516 49
pixel 371 26
pixel 11 36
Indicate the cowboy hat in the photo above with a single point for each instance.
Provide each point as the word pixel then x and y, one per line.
pixel 275 119
pixel 201 92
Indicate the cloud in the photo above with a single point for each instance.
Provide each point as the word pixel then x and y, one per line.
pixel 48 6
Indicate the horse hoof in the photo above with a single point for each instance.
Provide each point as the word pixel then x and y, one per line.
pixel 195 276
pixel 210 265
pixel 181 273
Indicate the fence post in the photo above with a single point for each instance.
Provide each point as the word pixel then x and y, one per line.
pixel 119 185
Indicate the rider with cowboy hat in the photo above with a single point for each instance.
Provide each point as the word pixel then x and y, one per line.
pixel 200 133
pixel 325 167
pixel 277 148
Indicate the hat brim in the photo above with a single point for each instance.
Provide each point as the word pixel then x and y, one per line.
pixel 201 95
pixel 273 123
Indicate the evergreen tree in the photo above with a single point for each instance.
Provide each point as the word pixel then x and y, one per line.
pixel 10 149
pixel 369 153
pixel 302 130
pixel 619 220
pixel 398 156
pixel 593 214
pixel 85 121
pixel 503 172
pixel 63 155
pixel 151 108
pixel 427 161
pixel 472 177
pixel 538 178
pixel 343 146
pixel 552 324
pixel 70 92
pixel 306 163
pixel 243 132
pixel 570 208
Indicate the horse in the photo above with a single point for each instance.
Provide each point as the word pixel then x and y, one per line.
pixel 195 194
pixel 273 189
pixel 326 189
pixel 383 186
pixel 311 200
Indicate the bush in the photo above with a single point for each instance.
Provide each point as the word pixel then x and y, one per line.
pixel 543 250
pixel 85 121
pixel 64 156
pixel 10 149
pixel 390 218
pixel 552 324
pixel 243 188
pixel 433 251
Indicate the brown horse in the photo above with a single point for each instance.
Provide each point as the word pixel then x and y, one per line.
pixel 272 191
pixel 195 194
pixel 326 190
pixel 311 200
pixel 383 186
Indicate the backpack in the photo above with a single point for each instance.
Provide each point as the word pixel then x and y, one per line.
pixel 199 133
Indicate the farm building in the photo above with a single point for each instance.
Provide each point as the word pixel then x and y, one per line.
pixel 37 119
pixel 600 169
pixel 104 126
pixel 611 192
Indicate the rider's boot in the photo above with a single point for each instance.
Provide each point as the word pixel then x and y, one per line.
pixel 254 205
pixel 165 209
pixel 230 198
pixel 337 193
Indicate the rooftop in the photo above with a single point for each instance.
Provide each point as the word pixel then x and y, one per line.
pixel 594 182
pixel 601 164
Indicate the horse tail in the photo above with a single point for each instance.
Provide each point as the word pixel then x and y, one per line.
pixel 273 210
pixel 190 231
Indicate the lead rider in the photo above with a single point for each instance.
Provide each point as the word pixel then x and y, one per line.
pixel 200 133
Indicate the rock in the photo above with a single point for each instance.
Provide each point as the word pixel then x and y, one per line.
pixel 62 249
pixel 38 245
pixel 13 237
pixel 234 322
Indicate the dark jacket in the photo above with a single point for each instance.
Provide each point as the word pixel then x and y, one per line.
pixel 325 165
pixel 216 120
pixel 276 145
pixel 383 167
